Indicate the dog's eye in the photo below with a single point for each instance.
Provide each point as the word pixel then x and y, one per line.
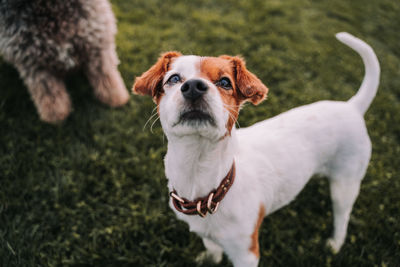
pixel 174 79
pixel 224 83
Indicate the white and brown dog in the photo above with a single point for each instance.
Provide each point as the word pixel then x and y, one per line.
pixel 223 181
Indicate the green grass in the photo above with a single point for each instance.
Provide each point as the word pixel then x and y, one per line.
pixel 92 191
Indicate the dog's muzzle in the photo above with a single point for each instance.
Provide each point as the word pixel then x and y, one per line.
pixel 196 109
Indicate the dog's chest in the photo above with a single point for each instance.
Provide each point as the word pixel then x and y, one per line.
pixel 213 226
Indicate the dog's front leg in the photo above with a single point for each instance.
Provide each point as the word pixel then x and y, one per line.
pixel 105 78
pixel 213 252
pixel 243 251
pixel 49 95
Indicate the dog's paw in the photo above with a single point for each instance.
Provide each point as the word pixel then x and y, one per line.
pixel 334 245
pixel 54 108
pixel 209 256
pixel 110 89
pixel 113 97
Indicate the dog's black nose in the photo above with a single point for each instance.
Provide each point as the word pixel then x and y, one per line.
pixel 193 89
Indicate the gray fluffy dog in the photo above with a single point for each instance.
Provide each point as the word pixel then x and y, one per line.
pixel 45 39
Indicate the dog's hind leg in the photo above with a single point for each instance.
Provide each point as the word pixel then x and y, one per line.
pixel 49 95
pixel 105 78
pixel 346 172
pixel 343 195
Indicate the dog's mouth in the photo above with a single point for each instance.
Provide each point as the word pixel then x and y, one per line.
pixel 195 117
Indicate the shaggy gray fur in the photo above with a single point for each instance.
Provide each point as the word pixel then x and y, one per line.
pixel 45 39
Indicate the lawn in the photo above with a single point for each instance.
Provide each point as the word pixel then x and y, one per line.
pixel 92 191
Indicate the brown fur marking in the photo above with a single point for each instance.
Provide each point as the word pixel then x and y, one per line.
pixel 250 87
pixel 214 69
pixel 254 247
pixel 149 83
pixel 246 86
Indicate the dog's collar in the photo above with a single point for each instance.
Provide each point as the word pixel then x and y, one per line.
pixel 210 203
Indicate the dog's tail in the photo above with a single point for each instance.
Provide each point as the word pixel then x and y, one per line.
pixel 370 83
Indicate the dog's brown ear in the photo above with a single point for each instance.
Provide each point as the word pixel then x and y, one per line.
pixel 149 83
pixel 250 88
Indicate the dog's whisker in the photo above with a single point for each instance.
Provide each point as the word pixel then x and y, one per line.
pixel 231 110
pixel 237 122
pixel 232 106
pixel 151 117
pixel 151 127
pixel 148 121
pixel 234 119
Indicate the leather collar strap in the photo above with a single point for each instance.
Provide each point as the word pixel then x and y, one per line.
pixel 210 203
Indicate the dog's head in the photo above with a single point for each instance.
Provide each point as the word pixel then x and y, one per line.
pixel 199 95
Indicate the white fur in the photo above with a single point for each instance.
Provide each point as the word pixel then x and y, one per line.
pixel 274 158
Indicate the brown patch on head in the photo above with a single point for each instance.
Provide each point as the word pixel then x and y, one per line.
pixel 150 82
pixel 254 247
pixel 214 69
pixel 249 86
pixel 246 86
